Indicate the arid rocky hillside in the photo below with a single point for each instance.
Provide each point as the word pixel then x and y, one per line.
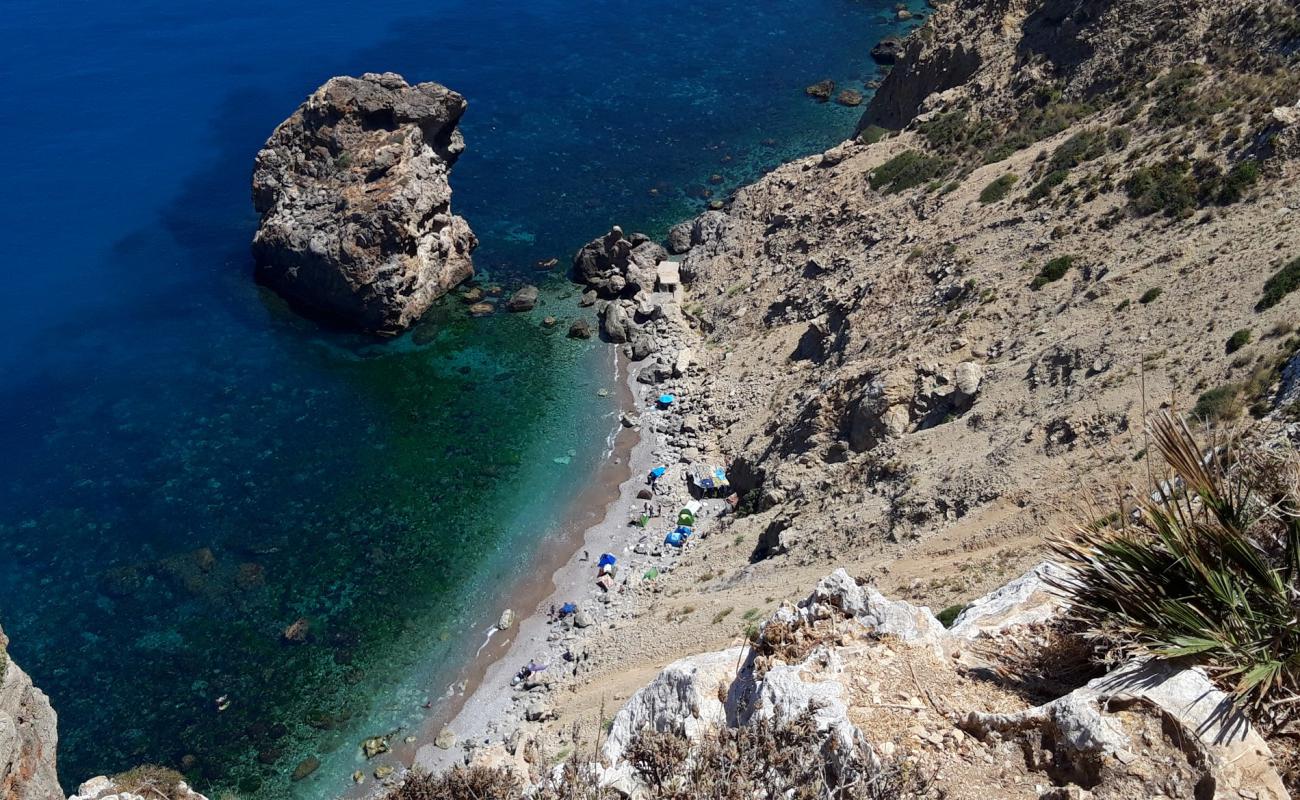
pixel 967 319
pixel 915 349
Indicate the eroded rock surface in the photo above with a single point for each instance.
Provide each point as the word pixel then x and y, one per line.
pixel 28 736
pixel 353 190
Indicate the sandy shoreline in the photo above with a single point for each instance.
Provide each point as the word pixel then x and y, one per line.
pixel 492 709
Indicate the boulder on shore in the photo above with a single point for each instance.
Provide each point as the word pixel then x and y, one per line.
pixel 615 264
pixel 356 209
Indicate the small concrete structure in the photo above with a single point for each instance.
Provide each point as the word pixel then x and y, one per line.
pixel 668 276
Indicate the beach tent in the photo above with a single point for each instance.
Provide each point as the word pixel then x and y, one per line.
pixel 666 400
pixel 658 472
pixel 673 538
pixel 606 559
pixel 685 530
pixel 568 608
pixel 685 517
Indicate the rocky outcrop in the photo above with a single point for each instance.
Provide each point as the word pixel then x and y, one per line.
pixel 353 190
pixel 867 667
pixel 616 265
pixel 28 736
pixel 145 783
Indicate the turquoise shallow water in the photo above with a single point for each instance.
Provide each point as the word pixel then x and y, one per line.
pixel 189 468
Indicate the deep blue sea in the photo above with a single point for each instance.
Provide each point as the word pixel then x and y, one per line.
pixel 186 467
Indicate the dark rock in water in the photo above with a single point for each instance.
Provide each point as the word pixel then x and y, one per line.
pixel 306 767
pixel 679 238
pixel 473 294
pixel 849 97
pixel 550 322
pixel 821 90
pixel 616 265
pixel 580 329
pixel 588 298
pixel 297 631
pixel 716 205
pixel 550 263
pixel 523 300
pixel 715 179
pixel 482 310
pixel 888 51
pixel 356 209
pixel 423 334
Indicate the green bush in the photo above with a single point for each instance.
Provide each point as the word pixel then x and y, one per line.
pixel 908 170
pixel 949 615
pixel 1118 138
pixel 1053 271
pixel 872 134
pixel 1045 186
pixel 1150 295
pixel 1221 404
pixel 1085 145
pixel 1238 340
pixel 1208 570
pixel 1282 283
pixel 998 188
pixel 1166 187
pixel 1179 187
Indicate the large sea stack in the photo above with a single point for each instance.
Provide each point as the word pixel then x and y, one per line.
pixel 356 208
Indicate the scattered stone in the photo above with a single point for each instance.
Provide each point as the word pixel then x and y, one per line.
pixel 821 90
pixel 374 746
pixel 523 300
pixel 445 739
pixel 849 97
pixel 507 620
pixel 297 631
pixel 580 329
pixel 305 767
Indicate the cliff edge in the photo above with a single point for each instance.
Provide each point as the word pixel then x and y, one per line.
pixel 28 736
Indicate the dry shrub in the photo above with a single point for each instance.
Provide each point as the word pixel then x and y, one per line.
pixel 459 783
pixel 787 758
pixel 150 781
pixel 1043 662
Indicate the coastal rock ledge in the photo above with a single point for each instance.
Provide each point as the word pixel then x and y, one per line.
pixel 356 222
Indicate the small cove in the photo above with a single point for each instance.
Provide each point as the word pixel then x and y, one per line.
pixel 190 468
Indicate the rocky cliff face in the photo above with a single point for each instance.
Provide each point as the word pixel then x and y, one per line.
pixel 356 213
pixel 28 736
pixel 888 684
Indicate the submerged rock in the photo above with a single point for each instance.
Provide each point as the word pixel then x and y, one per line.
pixel 821 90
pixel 356 209
pixel 305 767
pixel 523 300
